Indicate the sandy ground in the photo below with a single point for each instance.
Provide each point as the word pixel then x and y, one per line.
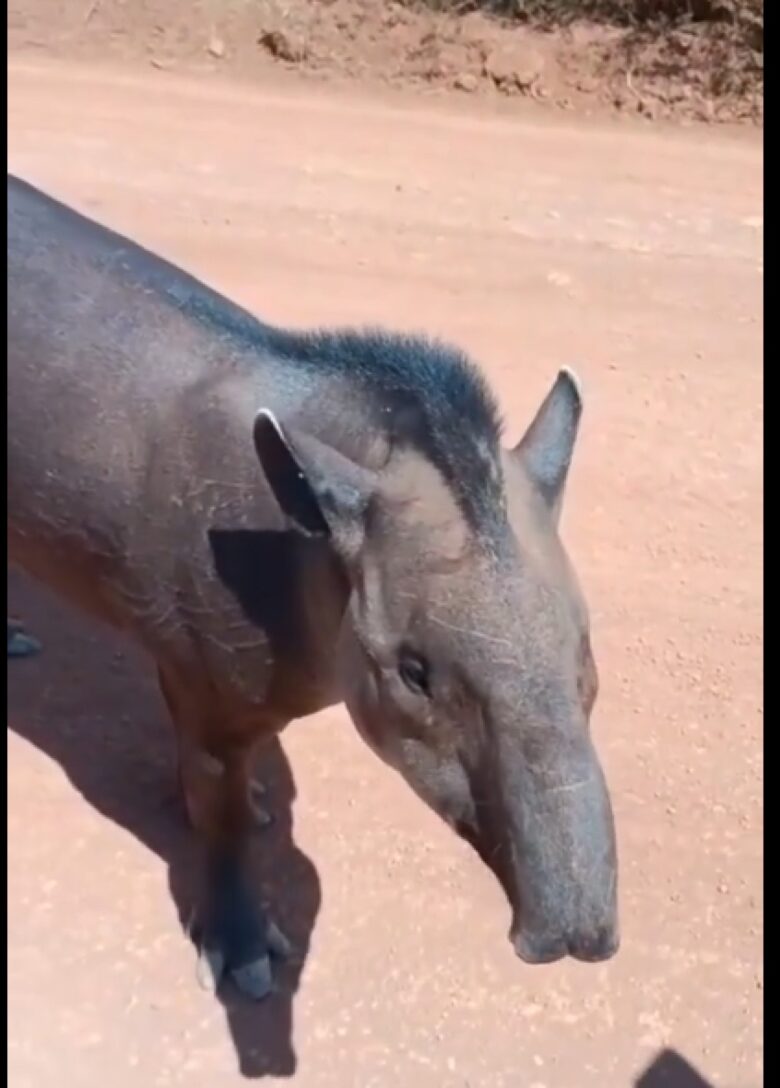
pixel 637 256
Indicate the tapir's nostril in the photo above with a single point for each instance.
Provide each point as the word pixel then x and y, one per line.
pixel 601 945
pixel 533 949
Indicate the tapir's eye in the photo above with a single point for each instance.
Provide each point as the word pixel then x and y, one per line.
pixel 413 670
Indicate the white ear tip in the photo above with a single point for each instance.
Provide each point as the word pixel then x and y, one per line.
pixel 267 414
pixel 568 375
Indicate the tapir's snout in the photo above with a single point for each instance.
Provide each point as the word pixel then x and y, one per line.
pixel 589 947
pixel 559 863
pixel 557 916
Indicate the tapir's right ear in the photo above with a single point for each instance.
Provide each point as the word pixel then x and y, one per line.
pixel 547 446
pixel 322 492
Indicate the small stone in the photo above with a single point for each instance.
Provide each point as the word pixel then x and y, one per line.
pixel 216 47
pixel 465 81
pixel 282 45
pixel 587 85
pixel 513 68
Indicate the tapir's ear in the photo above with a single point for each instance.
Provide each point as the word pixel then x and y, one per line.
pixel 322 492
pixel 546 447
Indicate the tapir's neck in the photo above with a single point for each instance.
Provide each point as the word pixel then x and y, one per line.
pixel 307 632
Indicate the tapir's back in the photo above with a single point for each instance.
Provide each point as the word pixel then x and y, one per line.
pixel 83 317
pixel 109 378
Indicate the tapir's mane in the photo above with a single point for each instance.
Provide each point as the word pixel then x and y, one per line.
pixel 420 392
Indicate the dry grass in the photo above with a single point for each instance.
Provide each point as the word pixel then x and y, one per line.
pixel 714 48
pixel 615 12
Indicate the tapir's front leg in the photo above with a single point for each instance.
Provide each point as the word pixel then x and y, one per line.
pixel 234 936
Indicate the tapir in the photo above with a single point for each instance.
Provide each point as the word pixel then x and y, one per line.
pixel 285 520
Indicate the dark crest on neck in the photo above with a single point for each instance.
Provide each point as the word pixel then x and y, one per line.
pixel 422 394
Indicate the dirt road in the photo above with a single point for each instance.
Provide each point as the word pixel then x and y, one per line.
pixel 636 256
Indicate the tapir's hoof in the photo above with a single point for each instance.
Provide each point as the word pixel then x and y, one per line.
pixel 254 979
pixel 278 944
pixel 21 644
pixel 210 969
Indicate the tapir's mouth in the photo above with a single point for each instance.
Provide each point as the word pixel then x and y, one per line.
pixel 591 948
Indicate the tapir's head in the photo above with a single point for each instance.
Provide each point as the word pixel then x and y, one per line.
pixel 467 661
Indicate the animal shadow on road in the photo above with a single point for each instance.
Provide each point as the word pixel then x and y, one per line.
pixel 670 1070
pixel 90 703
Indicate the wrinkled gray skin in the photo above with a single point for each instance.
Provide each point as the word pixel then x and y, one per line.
pixel 339 567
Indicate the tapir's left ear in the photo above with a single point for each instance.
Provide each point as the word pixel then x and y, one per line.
pixel 320 491
pixel 546 447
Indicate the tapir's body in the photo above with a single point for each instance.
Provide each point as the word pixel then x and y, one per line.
pixel 129 411
pixel 385 550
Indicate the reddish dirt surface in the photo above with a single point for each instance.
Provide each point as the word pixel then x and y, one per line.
pixel 635 254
